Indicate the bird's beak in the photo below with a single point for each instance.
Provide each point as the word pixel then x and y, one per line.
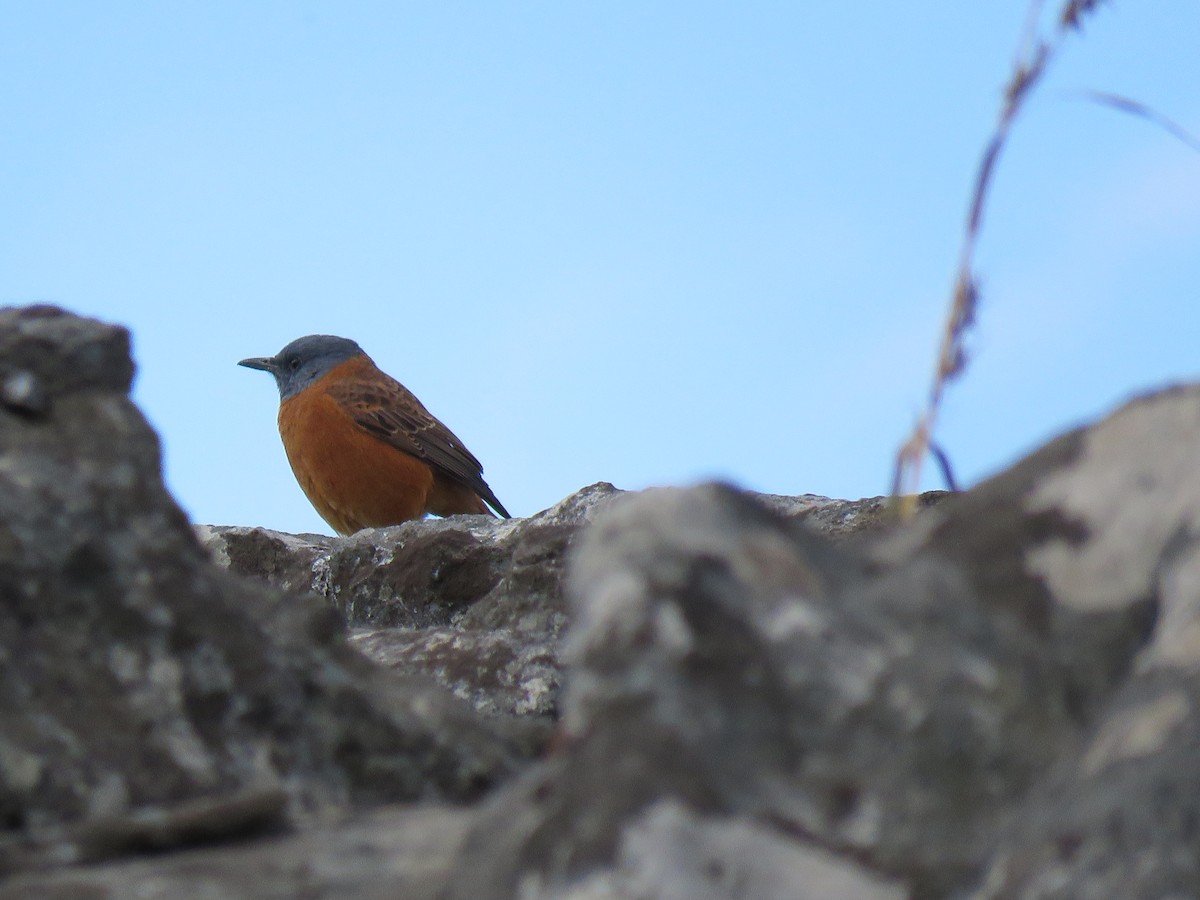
pixel 265 363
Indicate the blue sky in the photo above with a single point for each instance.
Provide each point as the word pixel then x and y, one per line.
pixel 641 243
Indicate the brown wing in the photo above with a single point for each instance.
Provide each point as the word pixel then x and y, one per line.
pixel 388 410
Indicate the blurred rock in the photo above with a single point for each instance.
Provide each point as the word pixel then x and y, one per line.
pixel 385 854
pixel 140 683
pixel 999 694
pixel 1117 815
pixel 739 695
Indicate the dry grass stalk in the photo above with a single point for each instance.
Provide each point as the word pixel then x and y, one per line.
pixel 1142 111
pixel 1033 56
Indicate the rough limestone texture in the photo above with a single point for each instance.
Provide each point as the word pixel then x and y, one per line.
pixel 146 696
pixel 728 695
pixel 473 602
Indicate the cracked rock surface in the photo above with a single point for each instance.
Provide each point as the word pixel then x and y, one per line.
pixel 680 693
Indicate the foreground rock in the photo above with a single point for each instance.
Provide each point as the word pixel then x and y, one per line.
pixel 383 854
pixel 147 697
pixel 996 700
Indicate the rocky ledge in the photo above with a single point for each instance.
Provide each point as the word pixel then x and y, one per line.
pixel 679 693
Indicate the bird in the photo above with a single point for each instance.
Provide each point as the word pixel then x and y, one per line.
pixel 365 450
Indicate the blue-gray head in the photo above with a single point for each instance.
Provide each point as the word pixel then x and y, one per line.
pixel 304 361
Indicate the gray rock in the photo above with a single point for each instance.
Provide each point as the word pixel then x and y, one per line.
pixel 499 672
pixel 1119 815
pixel 843 518
pixel 383 854
pixel 136 679
pixel 995 700
pixel 469 571
pixel 915 703
pixel 673 853
pixel 685 606
pixel 473 602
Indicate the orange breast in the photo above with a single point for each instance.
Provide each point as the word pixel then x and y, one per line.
pixel 354 480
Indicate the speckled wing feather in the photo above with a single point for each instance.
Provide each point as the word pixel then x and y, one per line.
pixel 391 412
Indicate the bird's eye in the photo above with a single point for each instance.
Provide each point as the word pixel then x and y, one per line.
pixel 294 363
